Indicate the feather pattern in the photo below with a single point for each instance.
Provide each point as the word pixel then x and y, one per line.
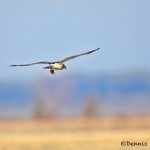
pixel 41 62
pixel 58 65
pixel 72 57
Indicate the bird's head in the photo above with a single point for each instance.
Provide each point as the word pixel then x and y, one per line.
pixel 64 66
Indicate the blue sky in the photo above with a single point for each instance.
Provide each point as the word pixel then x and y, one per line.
pixel 37 30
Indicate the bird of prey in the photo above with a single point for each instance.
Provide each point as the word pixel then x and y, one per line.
pixel 57 65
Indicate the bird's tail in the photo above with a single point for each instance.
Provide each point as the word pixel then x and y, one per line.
pixel 48 67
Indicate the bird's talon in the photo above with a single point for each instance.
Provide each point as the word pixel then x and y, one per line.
pixel 52 71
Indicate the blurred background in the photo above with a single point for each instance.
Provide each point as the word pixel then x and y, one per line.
pixel 117 77
pixel 112 83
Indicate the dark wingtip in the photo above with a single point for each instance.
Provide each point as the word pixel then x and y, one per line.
pixel 97 49
pixel 12 65
pixel 94 50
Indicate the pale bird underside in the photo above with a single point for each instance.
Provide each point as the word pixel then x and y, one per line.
pixel 57 65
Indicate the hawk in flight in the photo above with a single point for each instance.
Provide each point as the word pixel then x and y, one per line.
pixel 56 65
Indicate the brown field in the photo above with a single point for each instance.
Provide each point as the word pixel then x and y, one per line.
pixel 75 134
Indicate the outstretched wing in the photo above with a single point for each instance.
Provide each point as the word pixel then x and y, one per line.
pixel 72 57
pixel 41 62
pixel 62 61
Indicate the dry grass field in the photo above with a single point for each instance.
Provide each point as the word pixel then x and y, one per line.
pixel 74 134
